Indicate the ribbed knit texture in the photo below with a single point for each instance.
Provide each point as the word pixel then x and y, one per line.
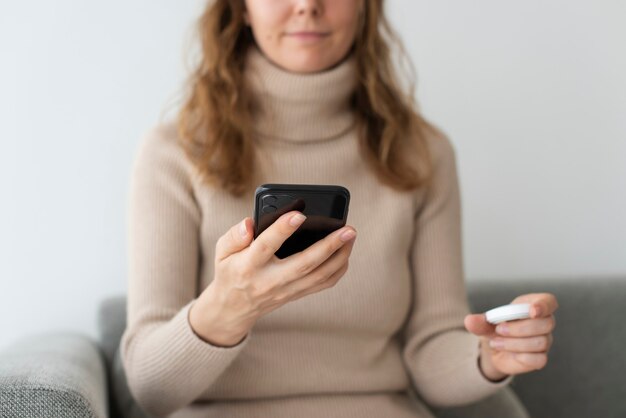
pixel 395 319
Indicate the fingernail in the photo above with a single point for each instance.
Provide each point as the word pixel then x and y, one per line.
pixel 496 344
pixel 502 329
pixel 242 228
pixel 537 310
pixel 297 219
pixel 347 235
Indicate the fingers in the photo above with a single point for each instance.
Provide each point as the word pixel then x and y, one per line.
pixel 526 327
pixel 542 304
pixel 271 239
pixel 477 324
pixel 304 262
pixel 517 363
pixel 324 273
pixel 532 360
pixel 521 346
pixel 236 239
pixel 330 282
pixel 309 285
pixel 537 344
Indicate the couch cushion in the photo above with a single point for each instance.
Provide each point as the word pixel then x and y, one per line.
pixel 59 374
pixel 111 324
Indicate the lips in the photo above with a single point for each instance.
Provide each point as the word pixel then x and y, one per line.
pixel 307 34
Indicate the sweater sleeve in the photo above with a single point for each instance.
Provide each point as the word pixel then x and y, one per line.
pixel 167 365
pixel 440 354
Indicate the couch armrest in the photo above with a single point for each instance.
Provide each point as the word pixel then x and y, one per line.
pixel 53 375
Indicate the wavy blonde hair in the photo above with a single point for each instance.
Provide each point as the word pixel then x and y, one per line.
pixel 214 122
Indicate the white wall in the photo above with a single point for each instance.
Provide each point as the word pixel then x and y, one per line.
pixel 533 95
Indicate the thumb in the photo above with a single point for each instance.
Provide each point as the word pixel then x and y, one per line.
pixel 236 239
pixel 477 324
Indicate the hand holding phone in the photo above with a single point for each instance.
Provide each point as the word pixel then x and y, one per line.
pixel 250 281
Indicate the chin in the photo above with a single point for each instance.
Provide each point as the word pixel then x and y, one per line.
pixel 307 63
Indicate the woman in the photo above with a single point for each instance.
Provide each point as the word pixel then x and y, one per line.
pixel 303 91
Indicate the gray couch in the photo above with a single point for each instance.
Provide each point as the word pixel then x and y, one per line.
pixel 70 375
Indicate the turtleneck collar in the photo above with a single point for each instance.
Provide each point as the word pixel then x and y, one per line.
pixel 300 107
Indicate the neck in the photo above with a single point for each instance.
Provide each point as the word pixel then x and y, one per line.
pixel 300 107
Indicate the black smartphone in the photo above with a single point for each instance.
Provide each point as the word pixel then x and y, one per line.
pixel 325 206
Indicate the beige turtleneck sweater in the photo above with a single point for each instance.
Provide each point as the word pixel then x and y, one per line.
pixel 394 320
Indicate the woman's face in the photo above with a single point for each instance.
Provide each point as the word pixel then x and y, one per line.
pixel 304 36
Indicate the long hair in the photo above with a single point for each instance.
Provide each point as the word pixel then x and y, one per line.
pixel 214 122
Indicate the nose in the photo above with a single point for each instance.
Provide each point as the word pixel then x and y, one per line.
pixel 309 7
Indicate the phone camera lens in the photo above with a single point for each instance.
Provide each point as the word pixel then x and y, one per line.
pixel 269 209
